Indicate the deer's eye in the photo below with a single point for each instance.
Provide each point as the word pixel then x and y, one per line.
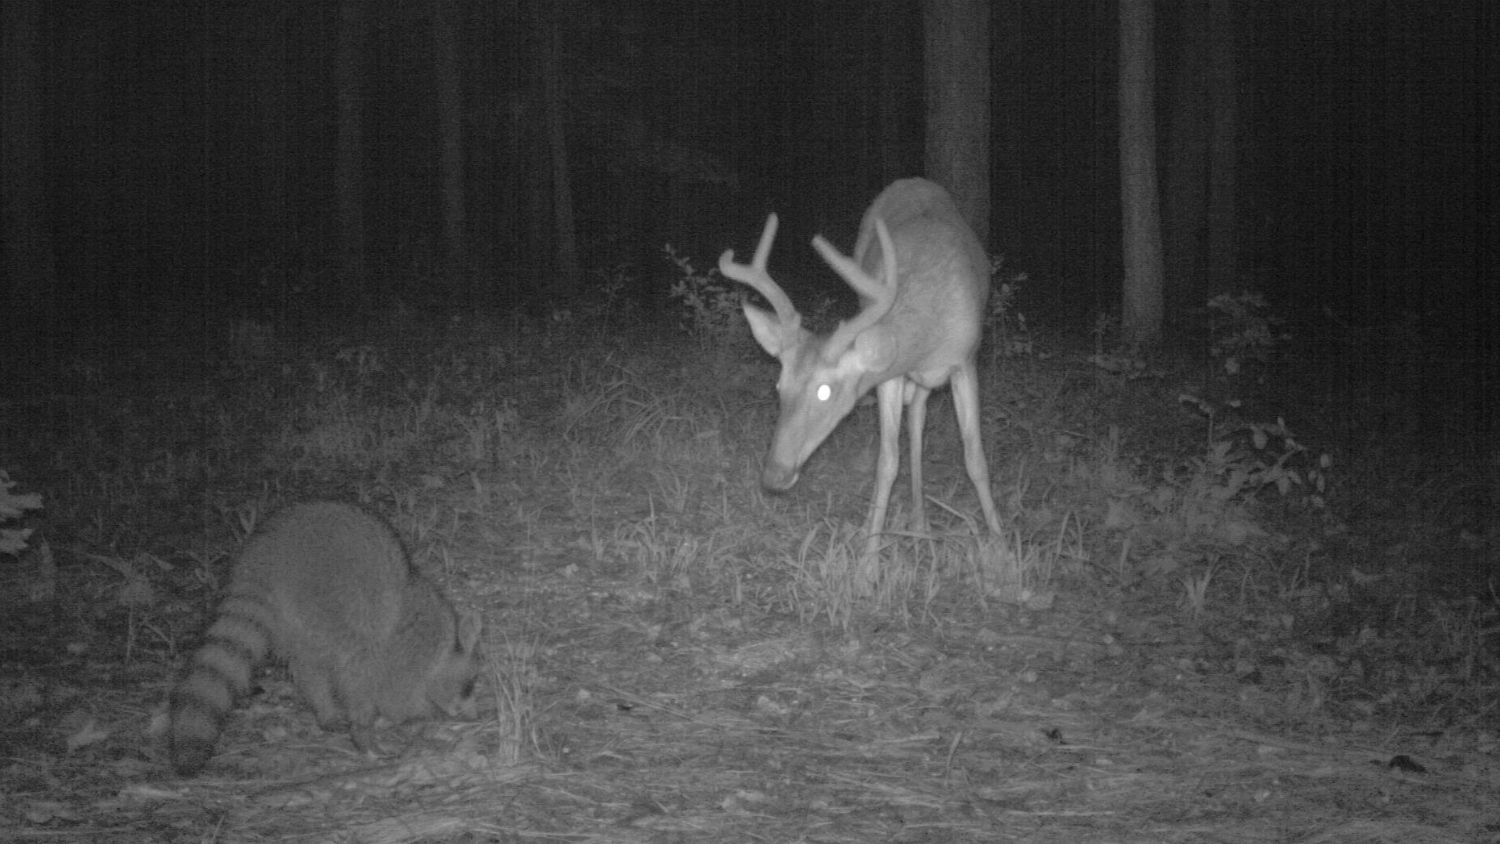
pixel 824 392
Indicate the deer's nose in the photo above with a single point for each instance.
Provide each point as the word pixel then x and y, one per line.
pixel 778 477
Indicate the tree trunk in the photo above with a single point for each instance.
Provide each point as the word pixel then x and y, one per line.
pixel 1140 322
pixel 526 213
pixel 281 221
pixel 889 99
pixel 29 269
pixel 566 274
pixel 956 59
pixel 451 132
pixel 1223 153
pixel 348 78
pixel 1186 162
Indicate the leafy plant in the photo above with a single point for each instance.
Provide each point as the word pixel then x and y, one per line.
pixel 1005 326
pixel 1255 456
pixel 710 302
pixel 1126 362
pixel 607 301
pixel 1247 457
pixel 1106 325
pixel 1274 459
pixel 13 506
pixel 1242 330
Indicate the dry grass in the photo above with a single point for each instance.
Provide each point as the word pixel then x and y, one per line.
pixel 1157 649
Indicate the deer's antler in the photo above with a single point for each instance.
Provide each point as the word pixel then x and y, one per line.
pixel 755 275
pixel 882 296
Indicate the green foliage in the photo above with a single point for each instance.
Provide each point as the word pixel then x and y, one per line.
pixel 710 302
pixel 1246 457
pixel 613 485
pixel 1124 362
pixel 606 301
pixel 1105 331
pixel 1254 457
pixel 1004 326
pixel 13 505
pixel 1213 504
pixel 1242 330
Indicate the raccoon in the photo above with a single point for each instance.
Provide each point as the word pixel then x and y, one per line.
pixel 328 588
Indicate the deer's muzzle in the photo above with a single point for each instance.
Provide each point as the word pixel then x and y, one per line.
pixel 778 477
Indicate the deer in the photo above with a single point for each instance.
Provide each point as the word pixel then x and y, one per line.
pixel 922 296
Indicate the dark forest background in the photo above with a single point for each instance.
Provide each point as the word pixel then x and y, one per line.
pixel 188 147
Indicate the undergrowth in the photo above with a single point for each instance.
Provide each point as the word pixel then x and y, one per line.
pixel 611 457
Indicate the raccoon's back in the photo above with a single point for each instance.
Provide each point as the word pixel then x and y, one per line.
pixel 335 572
pixel 319 582
pixel 357 611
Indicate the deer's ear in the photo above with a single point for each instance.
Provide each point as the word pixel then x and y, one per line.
pixel 770 332
pixel 874 349
pixel 766 328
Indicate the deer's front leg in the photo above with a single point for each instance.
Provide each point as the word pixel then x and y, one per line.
pixel 916 417
pixel 889 395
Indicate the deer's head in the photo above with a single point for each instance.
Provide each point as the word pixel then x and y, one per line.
pixel 821 377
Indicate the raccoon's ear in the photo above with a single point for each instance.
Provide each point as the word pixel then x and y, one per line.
pixel 468 631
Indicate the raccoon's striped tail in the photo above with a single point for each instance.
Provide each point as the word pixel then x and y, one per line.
pixel 217 676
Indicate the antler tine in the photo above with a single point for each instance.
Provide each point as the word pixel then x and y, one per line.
pixel 756 276
pixel 883 295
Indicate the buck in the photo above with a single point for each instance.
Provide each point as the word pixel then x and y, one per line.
pixel 922 296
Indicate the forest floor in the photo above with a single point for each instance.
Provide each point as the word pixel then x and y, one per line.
pixel 1246 607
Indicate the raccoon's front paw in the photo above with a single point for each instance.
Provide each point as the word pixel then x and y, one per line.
pixel 363 736
pixel 368 740
pixel 333 722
